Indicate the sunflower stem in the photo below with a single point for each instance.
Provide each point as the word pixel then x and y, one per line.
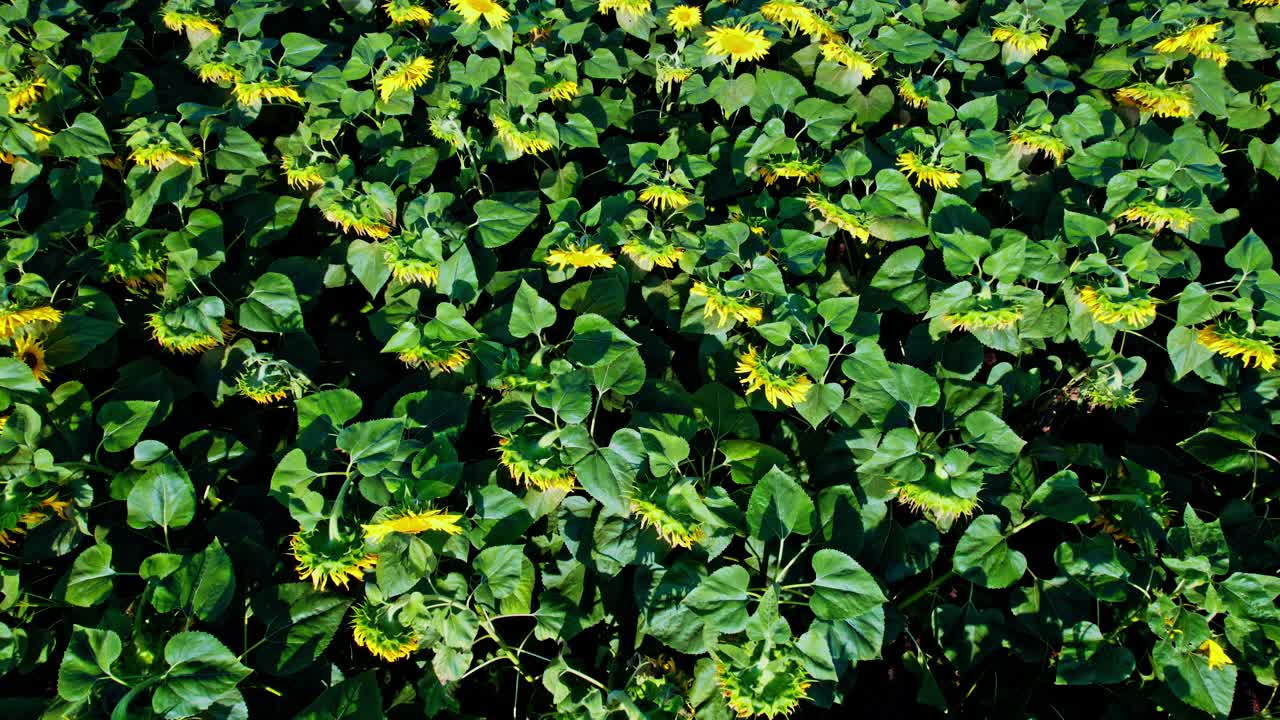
pixel 338 503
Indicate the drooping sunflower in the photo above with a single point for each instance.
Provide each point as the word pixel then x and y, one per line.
pixel 404 12
pixel 324 560
pixel 12 318
pixel 840 52
pixel 579 256
pixel 626 10
pixel 1033 142
pixel 722 306
pixel 563 91
pixel 25 510
pixel 761 683
pixel 262 388
pixel 252 94
pixel 684 18
pixel 801 171
pixel 409 76
pixel 25 94
pixel 219 72
pixel 647 253
pixel 1197 40
pixel 410 520
pixel 1229 341
pixel 1112 306
pixel 376 629
pixel 789 389
pixel 830 212
pixel 445 127
pixel 160 154
pixel 788 13
pixel 911 94
pixel 923 173
pixel 178 338
pixel 439 355
pixel 1019 44
pixel 669 75
pixel 352 219
pixel 299 176
pixel 522 141
pixel 737 43
pixel 408 268
pixel 1214 654
pixel 472 10
pixel 1156 217
pixel 1160 100
pixel 983 316
pixel 674 531
pixel 937 498
pixel 30 350
pixel 533 465
pixel 664 197
pixel 137 264
pixel 189 22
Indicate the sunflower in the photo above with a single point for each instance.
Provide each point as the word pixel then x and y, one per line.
pixel 219 72
pixel 646 253
pixel 799 170
pixel 1161 100
pixel 563 91
pixel 444 126
pixel 404 12
pixel 24 512
pixel 671 529
pixel 534 465
pixel 161 154
pixel 262 389
pixel 841 52
pixel 30 350
pixel 669 75
pixel 626 10
pixel 375 629
pixel 1032 142
pixel 762 683
pixel 723 307
pixel 181 339
pixel 409 75
pixel 12 318
pixel 1264 3
pixel 441 356
pixel 911 95
pixel 936 498
pixel 300 177
pixel 664 197
pixel 684 18
pixel 342 215
pixel 1157 217
pixel 256 93
pixel 852 223
pixel 983 318
pixel 1112 306
pixel 737 43
pixel 1214 655
pixel 190 22
pixel 589 256
pixel 789 390
pixel 326 560
pixel 1198 40
pixel 1107 390
pixel 410 521
pixel 522 141
pixel 408 268
pixel 922 173
pixel 472 10
pixel 1019 44
pixel 137 266
pixel 25 94
pixel 1229 342
pixel 789 14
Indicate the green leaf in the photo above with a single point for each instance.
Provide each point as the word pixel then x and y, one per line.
pixel 371 446
pixel 721 599
pixel 1187 674
pixel 91 575
pixel 779 507
pixel 501 219
pixel 123 421
pixel 200 671
pixel 609 473
pixel 164 497
pixel 984 557
pixel 300 49
pixel 87 660
pixel 355 698
pixel 624 374
pixel 272 306
pixel 530 313
pixel 85 138
pixel 1249 255
pixel 369 264
pixel 238 151
pixel 501 568
pixel 1061 498
pixel 299 621
pixel 842 589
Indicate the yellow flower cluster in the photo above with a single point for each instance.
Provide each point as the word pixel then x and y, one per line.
pixel 1032 142
pixel 801 171
pixel 404 12
pixel 542 471
pixel 1198 41
pixel 351 221
pixel 161 154
pixel 983 318
pixel 923 173
pixel 324 560
pixel 180 21
pixel 1019 44
pixel 797 18
pixel 1229 343
pixel 626 10
pixel 737 43
pixel 472 10
pixel 1107 308
pixel 664 197
pixel 411 521
pixel 787 389
pixel 670 529
pixel 300 177
pixel 375 630
pixel 684 18
pixel 256 93
pixel 911 95
pixel 722 306
pixel 838 51
pixel 409 75
pixel 648 254
pixel 590 256
pixel 439 357
pixel 12 319
pixel 219 72
pixel 30 350
pixel 1160 100
pixel 563 91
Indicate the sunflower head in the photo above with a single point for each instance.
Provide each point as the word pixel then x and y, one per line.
pixel 684 18
pixel 1214 654
pixel 518 140
pixel 626 10
pixel 647 254
pixel 760 680
pixel 25 94
pixel 1198 41
pixel 408 76
pixel 473 10
pixel 197 27
pixel 263 388
pixel 324 560
pixel 853 223
pixel 790 14
pixel 439 355
pixel 563 91
pixel 1108 391
pixel 407 12
pixel 352 217
pixel 219 72
pixel 254 94
pixel 173 335
pixel 534 465
pixel 922 173
pixel 1037 142
pixel 1156 217
pixel 1113 306
pixel 22 511
pixel 300 176
pixel 579 256
pixel 722 306
pixel 737 43
pixel 408 268
pixel 1160 100
pixel 758 373
pixel 840 52
pixel 983 316
pixel 1228 340
pixel 939 497
pixel 30 350
pixel 160 154
pixel 12 318
pixel 664 197
pixel 376 629
pixel 916 93
pixel 410 520
pixel 668 74
pixel 800 171
pixel 669 513
pixel 1019 44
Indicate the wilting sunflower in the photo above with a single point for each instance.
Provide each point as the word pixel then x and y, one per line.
pixel 182 339
pixel 802 171
pixel 351 220
pixel 445 127
pixel 12 318
pixel 1019 44
pixel 439 355
pixel 30 350
pixel 1161 100
pixel 262 388
pixel 1112 306
pixel 936 498
pixel 190 22
pixel 219 72
pixel 160 154
pixel 912 95
pixel 410 520
pixel 524 141
pixel 842 53
pixel 23 512
pixel 409 268
pixel 787 13
pixel 534 465
pixel 1156 217
pixel 626 10
pixel 646 253
pixel 587 256
pixel 669 75
pixel 408 76
pixel 1198 40
pixel 300 177
pixel 983 317
pixel 323 560
pixel 25 94
pixel 830 212
pixel 923 173
pixel 1032 142
pixel 787 389
pixel 737 43
pixel 1214 655
pixel 375 629
pixel 684 18
pixel 563 91
pixel 664 197
pixel 674 531
pixel 722 306
pixel 1108 390
pixel 404 12
pixel 256 93
pixel 472 10
pixel 761 683
pixel 1230 342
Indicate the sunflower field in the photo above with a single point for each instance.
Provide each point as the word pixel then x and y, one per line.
pixel 391 359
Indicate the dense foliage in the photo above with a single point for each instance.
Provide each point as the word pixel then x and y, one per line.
pixel 638 359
